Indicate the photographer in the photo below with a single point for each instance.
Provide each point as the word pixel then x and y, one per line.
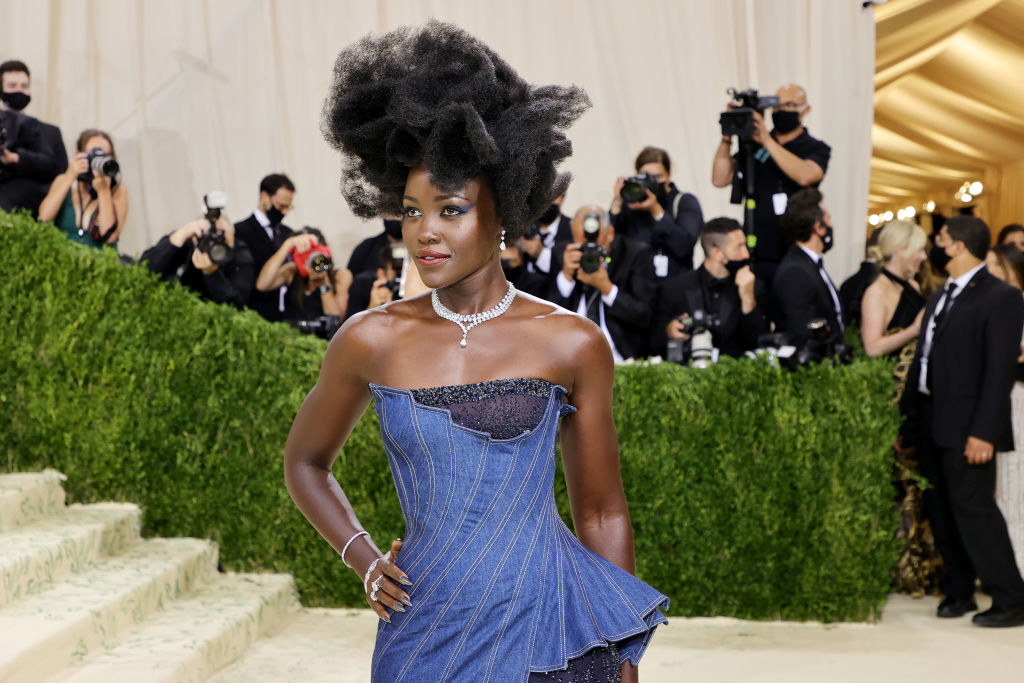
pixel 264 233
pixel 188 256
pixel 516 265
pixel 375 288
pixel 88 202
pixel 664 218
pixel 785 160
pixel 310 284
pixel 802 289
pixel 52 159
pixel 535 247
pixel 607 278
pixel 723 287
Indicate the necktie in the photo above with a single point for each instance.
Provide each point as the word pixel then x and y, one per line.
pixel 832 292
pixel 593 299
pixel 947 301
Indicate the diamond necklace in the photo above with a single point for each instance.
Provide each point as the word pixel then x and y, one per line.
pixel 468 322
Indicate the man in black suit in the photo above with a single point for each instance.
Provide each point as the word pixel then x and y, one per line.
pixel 264 233
pixel 957 402
pixel 553 227
pixel 618 294
pixel 851 292
pixel 802 290
pixel 32 165
pixel 723 286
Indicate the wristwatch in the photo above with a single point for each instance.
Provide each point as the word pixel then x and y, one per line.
pixel 326 289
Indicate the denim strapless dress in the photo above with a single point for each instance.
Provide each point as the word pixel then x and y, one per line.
pixel 501 587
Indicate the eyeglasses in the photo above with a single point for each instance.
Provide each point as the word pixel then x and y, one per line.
pixel 791 106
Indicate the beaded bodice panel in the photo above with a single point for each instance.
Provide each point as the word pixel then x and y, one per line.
pixel 504 408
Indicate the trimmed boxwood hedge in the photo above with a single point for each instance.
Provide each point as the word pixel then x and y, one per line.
pixel 754 492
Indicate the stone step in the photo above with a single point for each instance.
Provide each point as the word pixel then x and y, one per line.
pixel 57 627
pixel 38 554
pixel 195 636
pixel 26 496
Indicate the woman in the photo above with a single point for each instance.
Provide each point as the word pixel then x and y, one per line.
pixel 891 312
pixel 1006 262
pixel 91 212
pixel 309 296
pixel 489 584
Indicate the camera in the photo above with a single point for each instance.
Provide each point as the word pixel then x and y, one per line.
pixel 634 188
pixel 99 162
pixel 700 347
pixel 213 242
pixel 533 232
pixel 3 137
pixel 592 254
pixel 313 262
pixel 323 326
pixel 819 346
pixel 398 255
pixel 740 120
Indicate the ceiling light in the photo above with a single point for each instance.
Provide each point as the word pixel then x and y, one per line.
pixel 887 216
pixel 965 197
pixel 901 214
pixel 910 212
pixel 873 219
pixel 929 206
pixel 976 188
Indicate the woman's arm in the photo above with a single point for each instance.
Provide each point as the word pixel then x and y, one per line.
pixel 590 457
pixel 54 199
pixel 275 272
pixel 120 211
pixel 873 318
pixel 322 425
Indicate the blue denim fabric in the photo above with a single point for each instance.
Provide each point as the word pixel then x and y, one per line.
pixel 501 587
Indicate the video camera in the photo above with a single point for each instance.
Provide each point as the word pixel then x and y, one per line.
pixel 739 121
pixel 213 242
pixel 323 326
pixel 592 254
pixel 634 188
pixel 699 348
pixel 99 162
pixel 313 262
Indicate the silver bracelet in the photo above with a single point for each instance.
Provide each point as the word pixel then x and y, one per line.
pixel 369 570
pixel 354 537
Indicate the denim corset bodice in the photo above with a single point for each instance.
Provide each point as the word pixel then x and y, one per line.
pixel 501 587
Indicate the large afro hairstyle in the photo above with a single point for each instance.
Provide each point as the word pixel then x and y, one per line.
pixel 440 97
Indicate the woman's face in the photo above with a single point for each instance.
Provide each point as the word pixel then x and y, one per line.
pixel 450 235
pixel 996 268
pixel 97 141
pixel 657 170
pixel 915 260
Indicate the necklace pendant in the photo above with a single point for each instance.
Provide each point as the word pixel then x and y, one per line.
pixel 463 343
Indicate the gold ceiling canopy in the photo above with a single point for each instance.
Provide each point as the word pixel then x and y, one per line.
pixel 949 105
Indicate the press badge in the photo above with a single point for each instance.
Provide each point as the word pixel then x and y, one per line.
pixel 779 202
pixel 661 265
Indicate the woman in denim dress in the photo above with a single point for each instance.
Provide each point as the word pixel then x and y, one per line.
pixel 472 383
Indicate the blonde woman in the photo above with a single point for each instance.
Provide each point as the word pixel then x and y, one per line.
pixel 892 306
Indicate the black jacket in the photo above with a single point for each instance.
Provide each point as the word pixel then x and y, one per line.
pixel 973 364
pixel 851 292
pixel 629 318
pixel 25 183
pixel 262 248
pixel 672 235
pixel 229 284
pixel 801 295
pixel 736 333
pixel 366 256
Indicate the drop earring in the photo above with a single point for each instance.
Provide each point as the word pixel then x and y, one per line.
pixel 502 244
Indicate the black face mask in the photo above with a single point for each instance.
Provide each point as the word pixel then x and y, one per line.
pixel 939 258
pixel 16 100
pixel 736 266
pixel 549 215
pixel 393 228
pixel 274 215
pixel 785 121
pixel 828 239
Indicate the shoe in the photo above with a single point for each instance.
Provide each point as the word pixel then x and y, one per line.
pixel 951 608
pixel 1000 617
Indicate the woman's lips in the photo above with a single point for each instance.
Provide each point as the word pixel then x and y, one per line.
pixel 431 258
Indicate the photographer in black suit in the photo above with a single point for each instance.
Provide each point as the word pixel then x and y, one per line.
pixel 724 287
pixel 264 233
pixel 802 290
pixel 536 246
pixel 618 291
pixel 958 406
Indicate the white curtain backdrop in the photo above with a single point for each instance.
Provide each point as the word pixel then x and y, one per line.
pixel 204 95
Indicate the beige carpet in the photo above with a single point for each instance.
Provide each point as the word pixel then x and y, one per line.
pixel 909 645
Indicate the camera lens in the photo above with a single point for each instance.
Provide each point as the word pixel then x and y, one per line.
pixel 319 263
pixel 633 191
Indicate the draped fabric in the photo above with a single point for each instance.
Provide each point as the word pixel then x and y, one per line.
pixel 947 109
pixel 204 95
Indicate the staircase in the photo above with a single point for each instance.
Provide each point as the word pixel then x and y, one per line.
pixel 84 598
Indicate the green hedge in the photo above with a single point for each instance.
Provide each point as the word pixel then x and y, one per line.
pixel 754 492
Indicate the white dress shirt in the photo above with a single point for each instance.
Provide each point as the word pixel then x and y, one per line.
pixel 817 258
pixel 547 236
pixel 565 287
pixel 929 331
pixel 264 222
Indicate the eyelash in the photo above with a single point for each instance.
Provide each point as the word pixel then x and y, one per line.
pixel 412 211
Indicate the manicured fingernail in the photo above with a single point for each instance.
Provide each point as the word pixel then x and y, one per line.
pixel 398 607
pixel 386 618
pixel 406 601
pixel 404 580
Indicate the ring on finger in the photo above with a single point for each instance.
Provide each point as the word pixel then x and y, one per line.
pixel 376 587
